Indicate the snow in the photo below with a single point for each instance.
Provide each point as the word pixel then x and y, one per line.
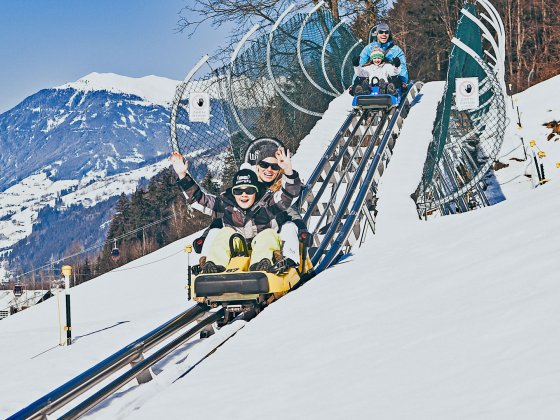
pixel 51 124
pixel 24 200
pixel 153 89
pixel 454 317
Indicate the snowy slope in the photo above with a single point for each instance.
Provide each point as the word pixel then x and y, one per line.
pixel 451 318
pixel 537 106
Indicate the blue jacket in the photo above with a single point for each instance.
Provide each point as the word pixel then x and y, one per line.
pixel 391 51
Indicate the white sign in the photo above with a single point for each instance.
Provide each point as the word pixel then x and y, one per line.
pixel 466 93
pixel 199 107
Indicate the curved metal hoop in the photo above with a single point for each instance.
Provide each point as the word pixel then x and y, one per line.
pixel 230 89
pixel 496 22
pixel 344 62
pixel 179 91
pixel 269 67
pixel 300 59
pixel 494 105
pixel 323 55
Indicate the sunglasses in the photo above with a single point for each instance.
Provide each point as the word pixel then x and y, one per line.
pixel 246 190
pixel 264 165
pixel 384 32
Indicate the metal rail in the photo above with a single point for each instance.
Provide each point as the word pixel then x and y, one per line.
pixel 327 155
pixel 352 188
pixel 131 353
pixel 136 370
pixel 377 166
pixel 328 174
pixel 331 178
pixel 351 166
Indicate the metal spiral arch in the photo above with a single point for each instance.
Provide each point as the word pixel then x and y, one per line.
pixel 496 101
pixel 176 103
pixel 269 66
pixel 229 88
pixel 339 24
pixel 300 59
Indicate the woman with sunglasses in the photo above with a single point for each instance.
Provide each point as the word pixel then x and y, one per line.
pixel 290 222
pixel 393 53
pixel 246 208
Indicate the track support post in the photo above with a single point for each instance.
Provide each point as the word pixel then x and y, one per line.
pixel 66 272
pixel 188 250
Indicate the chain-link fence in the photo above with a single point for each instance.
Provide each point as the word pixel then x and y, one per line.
pixel 466 138
pixel 276 85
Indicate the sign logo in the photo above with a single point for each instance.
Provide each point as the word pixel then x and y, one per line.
pixel 466 93
pixel 199 107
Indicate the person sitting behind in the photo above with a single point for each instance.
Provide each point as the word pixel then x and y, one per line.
pixel 378 71
pixel 242 211
pixel 290 223
pixel 384 40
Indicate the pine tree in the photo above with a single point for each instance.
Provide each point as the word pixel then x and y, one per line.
pixel 230 169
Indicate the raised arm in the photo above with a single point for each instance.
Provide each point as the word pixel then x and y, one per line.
pixel 209 204
pixel 291 183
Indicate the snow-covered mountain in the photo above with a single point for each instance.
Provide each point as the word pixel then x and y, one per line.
pixel 103 124
pixel 83 142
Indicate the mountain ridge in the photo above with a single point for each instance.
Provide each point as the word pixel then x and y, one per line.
pixel 82 142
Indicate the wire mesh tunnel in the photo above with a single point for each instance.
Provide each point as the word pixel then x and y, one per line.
pixel 465 142
pixel 276 85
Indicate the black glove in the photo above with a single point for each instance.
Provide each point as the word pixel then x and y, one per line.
pixel 396 61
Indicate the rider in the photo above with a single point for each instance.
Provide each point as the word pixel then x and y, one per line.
pixel 246 208
pixel 289 222
pixel 378 71
pixel 384 40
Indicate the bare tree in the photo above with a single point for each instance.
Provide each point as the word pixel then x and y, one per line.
pixel 242 15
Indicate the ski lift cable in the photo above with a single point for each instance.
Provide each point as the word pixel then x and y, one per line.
pixel 146 264
pixel 95 246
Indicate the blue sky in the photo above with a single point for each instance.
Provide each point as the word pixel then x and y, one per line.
pixel 45 43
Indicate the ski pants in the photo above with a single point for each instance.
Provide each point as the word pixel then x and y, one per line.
pixel 288 234
pixel 263 245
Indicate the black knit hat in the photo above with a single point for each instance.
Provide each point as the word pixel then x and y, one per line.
pixel 245 178
pixel 266 152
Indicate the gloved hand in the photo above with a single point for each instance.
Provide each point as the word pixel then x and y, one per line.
pixel 396 62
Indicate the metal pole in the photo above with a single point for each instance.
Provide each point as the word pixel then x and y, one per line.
pixel 537 167
pixel 188 250
pixel 511 97
pixel 524 150
pixel 66 271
